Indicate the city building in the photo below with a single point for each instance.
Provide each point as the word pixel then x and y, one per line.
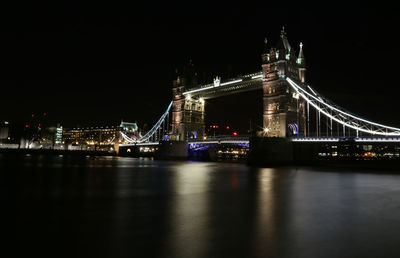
pixel 106 135
pixel 59 134
pixel 4 131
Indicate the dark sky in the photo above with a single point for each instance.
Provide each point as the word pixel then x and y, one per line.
pixel 93 63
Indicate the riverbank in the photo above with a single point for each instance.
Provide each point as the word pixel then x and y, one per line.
pixel 57 152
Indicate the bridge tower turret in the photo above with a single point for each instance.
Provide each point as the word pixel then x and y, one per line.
pixel 177 109
pixel 284 111
pixel 187 112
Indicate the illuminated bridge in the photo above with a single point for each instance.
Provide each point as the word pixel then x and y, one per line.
pixel 293 110
pixel 351 126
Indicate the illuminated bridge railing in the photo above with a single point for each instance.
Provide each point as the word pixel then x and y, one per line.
pixel 344 139
pixel 377 139
pixel 139 144
pixel 316 139
pixel 222 138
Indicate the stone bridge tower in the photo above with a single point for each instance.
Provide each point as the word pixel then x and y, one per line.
pixel 187 112
pixel 284 112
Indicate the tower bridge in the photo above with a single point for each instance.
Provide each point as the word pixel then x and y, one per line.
pixel 293 111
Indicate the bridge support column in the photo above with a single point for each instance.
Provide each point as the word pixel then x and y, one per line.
pixel 116 148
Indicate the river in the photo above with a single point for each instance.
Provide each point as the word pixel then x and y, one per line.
pixel 66 206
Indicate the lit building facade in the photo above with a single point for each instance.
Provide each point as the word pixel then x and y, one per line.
pixel 107 135
pixel 59 134
pixel 4 131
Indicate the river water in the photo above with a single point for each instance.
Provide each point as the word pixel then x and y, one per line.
pixel 64 206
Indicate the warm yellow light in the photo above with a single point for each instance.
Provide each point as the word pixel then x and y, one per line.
pixel 188 97
pixel 266 130
pixel 201 100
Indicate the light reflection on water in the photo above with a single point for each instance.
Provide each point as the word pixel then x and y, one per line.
pixel 125 207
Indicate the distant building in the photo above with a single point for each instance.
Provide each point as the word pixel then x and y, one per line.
pixel 130 129
pixel 98 135
pixel 4 130
pixel 59 134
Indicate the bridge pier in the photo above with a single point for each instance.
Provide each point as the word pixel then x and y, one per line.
pixel 270 151
pixel 273 151
pixel 172 150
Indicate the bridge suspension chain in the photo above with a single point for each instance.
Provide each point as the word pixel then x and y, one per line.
pixel 345 118
pixel 152 132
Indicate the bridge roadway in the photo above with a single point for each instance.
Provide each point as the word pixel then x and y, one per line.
pixel 240 140
pixel 272 150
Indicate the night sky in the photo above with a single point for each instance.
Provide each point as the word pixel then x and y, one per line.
pixel 95 63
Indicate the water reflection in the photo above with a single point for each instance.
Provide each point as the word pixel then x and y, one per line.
pixel 189 216
pixel 125 207
pixel 264 238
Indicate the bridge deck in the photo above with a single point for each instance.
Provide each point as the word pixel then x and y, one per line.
pixel 245 140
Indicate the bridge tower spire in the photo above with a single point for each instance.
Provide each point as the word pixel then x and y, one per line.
pixel 301 62
pixel 284 112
